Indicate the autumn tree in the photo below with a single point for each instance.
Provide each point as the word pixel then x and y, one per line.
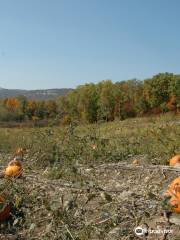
pixel 12 104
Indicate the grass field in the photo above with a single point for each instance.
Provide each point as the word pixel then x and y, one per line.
pixel 156 137
pixel 59 196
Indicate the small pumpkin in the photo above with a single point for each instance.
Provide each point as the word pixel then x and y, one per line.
pixel 175 161
pixel 5 209
pixel 20 152
pixel 174 193
pixel 94 146
pixel 14 169
pixel 135 162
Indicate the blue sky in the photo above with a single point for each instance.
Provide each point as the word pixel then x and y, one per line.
pixel 65 43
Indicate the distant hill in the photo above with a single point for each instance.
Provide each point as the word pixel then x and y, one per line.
pixel 43 94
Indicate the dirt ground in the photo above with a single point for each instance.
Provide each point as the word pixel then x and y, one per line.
pixel 108 203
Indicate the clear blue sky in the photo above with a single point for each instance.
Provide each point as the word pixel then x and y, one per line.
pixel 64 43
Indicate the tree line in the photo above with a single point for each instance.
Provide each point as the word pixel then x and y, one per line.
pixel 21 109
pixel 108 101
pixel 105 101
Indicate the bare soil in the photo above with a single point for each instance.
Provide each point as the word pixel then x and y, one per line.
pixel 107 202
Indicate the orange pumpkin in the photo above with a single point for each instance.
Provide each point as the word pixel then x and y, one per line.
pixel 135 162
pixel 5 209
pixel 174 193
pixel 175 161
pixel 20 152
pixel 174 187
pixel 14 169
pixel 94 146
pixel 175 203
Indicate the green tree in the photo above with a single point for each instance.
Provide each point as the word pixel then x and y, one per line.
pixel 106 102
